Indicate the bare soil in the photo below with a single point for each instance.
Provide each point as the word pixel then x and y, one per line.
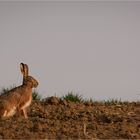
pixel 57 119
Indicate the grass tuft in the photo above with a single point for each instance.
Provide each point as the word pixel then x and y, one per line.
pixel 112 102
pixel 4 90
pixel 73 97
pixel 36 95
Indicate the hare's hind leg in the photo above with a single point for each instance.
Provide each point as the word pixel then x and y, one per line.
pixel 25 113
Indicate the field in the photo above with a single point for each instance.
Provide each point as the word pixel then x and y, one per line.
pixel 54 118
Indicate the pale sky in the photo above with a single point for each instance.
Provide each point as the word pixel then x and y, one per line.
pixel 91 48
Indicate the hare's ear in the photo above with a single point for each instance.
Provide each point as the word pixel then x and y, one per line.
pixel 24 69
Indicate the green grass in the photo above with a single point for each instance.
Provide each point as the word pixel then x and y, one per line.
pixel 112 102
pixel 36 95
pixel 89 101
pixel 70 96
pixel 4 90
pixel 73 97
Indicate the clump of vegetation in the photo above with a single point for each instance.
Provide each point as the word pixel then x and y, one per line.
pixel 73 97
pixel 89 101
pixel 4 90
pixel 36 95
pixel 70 96
pixel 112 102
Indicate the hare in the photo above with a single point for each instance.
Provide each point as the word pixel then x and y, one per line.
pixel 18 98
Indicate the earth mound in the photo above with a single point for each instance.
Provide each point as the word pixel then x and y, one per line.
pixel 54 118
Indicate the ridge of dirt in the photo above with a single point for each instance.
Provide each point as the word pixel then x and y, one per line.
pixel 57 119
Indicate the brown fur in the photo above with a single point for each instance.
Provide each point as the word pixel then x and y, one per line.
pixel 18 98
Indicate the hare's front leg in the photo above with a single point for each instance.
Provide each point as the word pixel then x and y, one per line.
pixel 25 113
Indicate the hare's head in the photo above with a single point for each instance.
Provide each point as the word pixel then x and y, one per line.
pixel 27 80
